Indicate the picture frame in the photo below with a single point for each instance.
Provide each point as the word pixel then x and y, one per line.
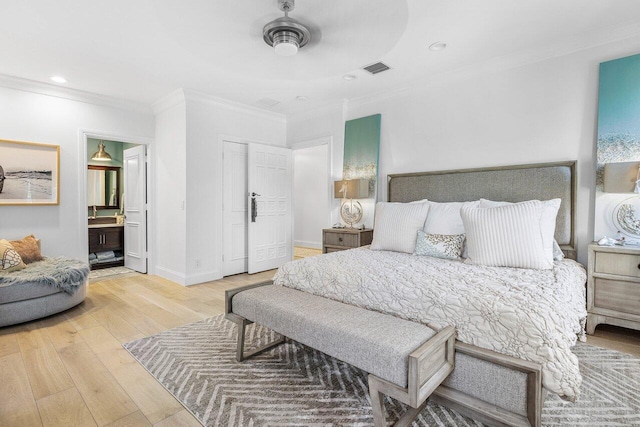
pixel 29 173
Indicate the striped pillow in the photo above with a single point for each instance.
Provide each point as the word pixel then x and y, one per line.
pixel 513 235
pixel 396 226
pixel 547 222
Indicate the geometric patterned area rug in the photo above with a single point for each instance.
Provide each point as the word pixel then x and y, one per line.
pixel 294 385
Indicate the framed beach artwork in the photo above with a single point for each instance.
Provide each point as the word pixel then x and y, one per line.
pixel 29 173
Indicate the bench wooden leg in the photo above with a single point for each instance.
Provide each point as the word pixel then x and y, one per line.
pixel 240 353
pixel 437 354
pixel 240 347
pixel 409 416
pixel 377 404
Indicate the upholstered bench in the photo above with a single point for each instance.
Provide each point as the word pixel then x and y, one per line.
pixel 405 360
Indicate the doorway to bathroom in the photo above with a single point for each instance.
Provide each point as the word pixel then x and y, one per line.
pixel 116 203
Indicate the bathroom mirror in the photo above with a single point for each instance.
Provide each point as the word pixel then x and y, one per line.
pixel 103 187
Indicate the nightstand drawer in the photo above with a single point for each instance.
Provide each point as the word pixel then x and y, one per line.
pixel 348 240
pixel 617 295
pixel 616 263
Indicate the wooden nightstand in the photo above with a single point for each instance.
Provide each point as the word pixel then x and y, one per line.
pixel 340 239
pixel 613 286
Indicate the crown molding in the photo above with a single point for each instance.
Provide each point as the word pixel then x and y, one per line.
pixel 204 98
pixel 321 110
pixel 26 85
pixel 176 97
pixel 569 46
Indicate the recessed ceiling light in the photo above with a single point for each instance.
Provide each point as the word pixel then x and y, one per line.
pixel 437 46
pixel 58 79
pixel 349 77
pixel 301 98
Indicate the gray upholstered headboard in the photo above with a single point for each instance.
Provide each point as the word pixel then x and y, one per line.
pixel 507 183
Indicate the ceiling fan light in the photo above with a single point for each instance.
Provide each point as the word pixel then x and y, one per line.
pixel 285 34
pixel 286 43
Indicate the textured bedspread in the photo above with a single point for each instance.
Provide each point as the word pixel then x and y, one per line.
pixel 535 315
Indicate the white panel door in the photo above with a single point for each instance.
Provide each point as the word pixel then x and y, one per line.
pixel 234 208
pixel 269 207
pixel 135 209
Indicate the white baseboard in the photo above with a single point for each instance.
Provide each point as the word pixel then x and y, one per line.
pixel 307 244
pixel 187 280
pixel 208 276
pixel 169 274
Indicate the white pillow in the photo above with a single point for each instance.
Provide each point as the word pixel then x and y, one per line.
pixel 558 255
pixel 512 235
pixel 444 218
pixel 396 226
pixel 548 220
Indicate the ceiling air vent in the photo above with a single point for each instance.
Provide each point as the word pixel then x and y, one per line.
pixel 267 102
pixel 376 68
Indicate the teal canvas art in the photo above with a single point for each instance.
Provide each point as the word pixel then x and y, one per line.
pixel 618 113
pixel 361 150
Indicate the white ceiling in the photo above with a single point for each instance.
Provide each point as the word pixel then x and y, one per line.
pixel 144 49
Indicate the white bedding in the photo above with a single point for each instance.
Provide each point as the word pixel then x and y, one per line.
pixel 535 315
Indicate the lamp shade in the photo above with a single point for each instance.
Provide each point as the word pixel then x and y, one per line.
pixel 351 189
pixel 101 155
pixel 620 177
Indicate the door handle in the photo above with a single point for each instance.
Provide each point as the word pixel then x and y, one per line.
pixel 254 209
pixel 254 206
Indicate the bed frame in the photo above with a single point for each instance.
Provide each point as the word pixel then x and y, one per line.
pixel 491 387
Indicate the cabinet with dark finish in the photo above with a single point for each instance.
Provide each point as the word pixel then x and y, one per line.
pixel 106 239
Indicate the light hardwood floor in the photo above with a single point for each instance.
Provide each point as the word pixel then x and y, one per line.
pixel 71 370
pixel 300 252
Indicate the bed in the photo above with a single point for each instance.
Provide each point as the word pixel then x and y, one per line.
pixel 512 324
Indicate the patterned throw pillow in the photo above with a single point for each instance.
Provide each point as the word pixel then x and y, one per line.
pixel 447 246
pixel 9 258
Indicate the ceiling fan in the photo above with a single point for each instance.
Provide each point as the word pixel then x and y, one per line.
pixel 286 35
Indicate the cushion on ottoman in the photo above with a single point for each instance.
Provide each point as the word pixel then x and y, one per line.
pixel 23 291
pixel 374 342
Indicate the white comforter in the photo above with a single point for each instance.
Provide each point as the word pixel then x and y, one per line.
pixel 535 315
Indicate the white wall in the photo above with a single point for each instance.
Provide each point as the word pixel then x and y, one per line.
pixel 170 188
pixel 208 120
pixel 310 195
pixel 326 122
pixel 189 131
pixel 541 112
pixel 30 116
